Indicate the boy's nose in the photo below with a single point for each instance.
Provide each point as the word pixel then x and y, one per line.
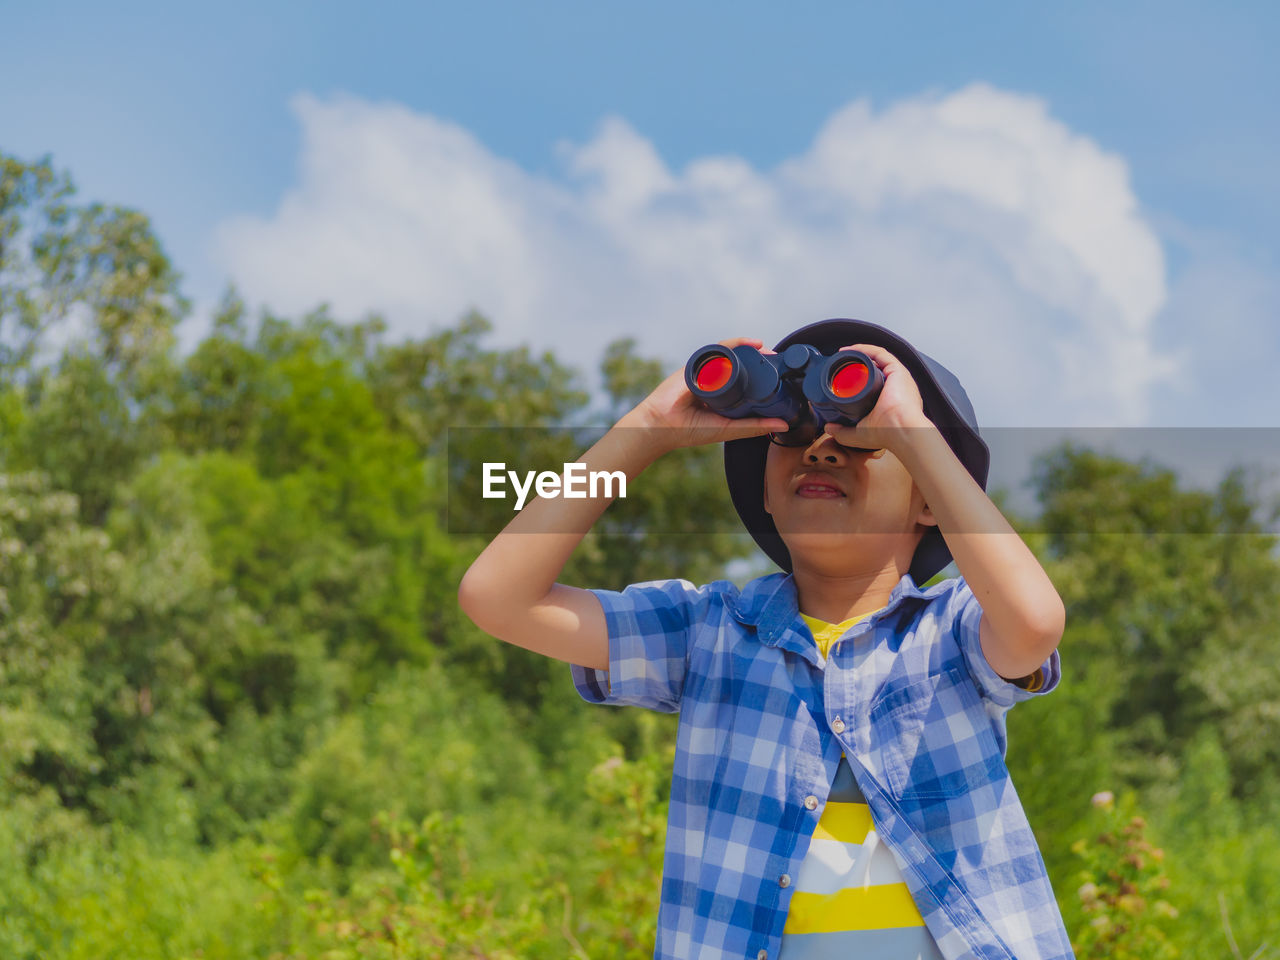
pixel 824 449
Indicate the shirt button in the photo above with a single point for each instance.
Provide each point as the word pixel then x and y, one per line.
pixel 784 881
pixel 811 803
pixel 837 725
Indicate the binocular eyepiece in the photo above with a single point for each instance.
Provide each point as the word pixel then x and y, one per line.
pixel 800 385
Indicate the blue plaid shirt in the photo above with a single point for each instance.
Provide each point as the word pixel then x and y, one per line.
pixel 910 699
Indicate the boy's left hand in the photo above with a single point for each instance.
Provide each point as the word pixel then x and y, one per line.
pixel 898 408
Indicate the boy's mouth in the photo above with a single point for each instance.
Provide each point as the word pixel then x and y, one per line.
pixel 817 486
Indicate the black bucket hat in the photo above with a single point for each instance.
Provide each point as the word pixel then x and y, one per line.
pixel 945 403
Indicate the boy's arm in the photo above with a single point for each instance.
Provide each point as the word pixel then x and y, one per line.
pixel 1022 614
pixel 510 591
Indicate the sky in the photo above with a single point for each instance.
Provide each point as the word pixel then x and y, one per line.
pixel 1073 206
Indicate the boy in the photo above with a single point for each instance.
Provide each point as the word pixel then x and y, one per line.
pixel 839 786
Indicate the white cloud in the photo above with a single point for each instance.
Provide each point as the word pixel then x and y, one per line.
pixel 975 224
pixel 1223 323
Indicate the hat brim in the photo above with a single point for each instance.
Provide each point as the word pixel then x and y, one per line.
pixel 945 403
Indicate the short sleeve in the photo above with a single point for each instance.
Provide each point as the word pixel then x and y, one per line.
pixel 651 626
pixel 1004 693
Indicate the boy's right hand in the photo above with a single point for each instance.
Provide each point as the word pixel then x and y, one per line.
pixel 677 418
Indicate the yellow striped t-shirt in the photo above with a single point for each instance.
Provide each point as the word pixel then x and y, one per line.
pixel 850 898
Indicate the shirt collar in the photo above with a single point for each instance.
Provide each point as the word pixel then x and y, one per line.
pixel 770 604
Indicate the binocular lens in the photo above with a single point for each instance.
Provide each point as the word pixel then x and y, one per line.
pixel 714 373
pixel 850 380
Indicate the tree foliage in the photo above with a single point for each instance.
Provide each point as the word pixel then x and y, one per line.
pixel 243 717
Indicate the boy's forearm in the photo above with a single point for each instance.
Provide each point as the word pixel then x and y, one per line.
pixel 523 562
pixel 1023 613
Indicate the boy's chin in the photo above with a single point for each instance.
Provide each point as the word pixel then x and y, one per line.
pixel 823 544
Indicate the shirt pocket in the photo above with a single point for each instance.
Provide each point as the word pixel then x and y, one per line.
pixel 937 741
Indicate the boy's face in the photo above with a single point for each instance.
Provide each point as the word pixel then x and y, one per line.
pixel 824 491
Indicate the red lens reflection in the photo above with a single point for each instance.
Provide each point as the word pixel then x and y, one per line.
pixel 714 373
pixel 850 379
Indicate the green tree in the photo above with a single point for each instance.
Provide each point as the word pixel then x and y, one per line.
pixel 61 262
pixel 67 265
pixel 1171 599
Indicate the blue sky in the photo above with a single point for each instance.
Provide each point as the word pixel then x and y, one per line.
pixel 230 126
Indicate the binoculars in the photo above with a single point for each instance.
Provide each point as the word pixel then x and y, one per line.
pixel 800 385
